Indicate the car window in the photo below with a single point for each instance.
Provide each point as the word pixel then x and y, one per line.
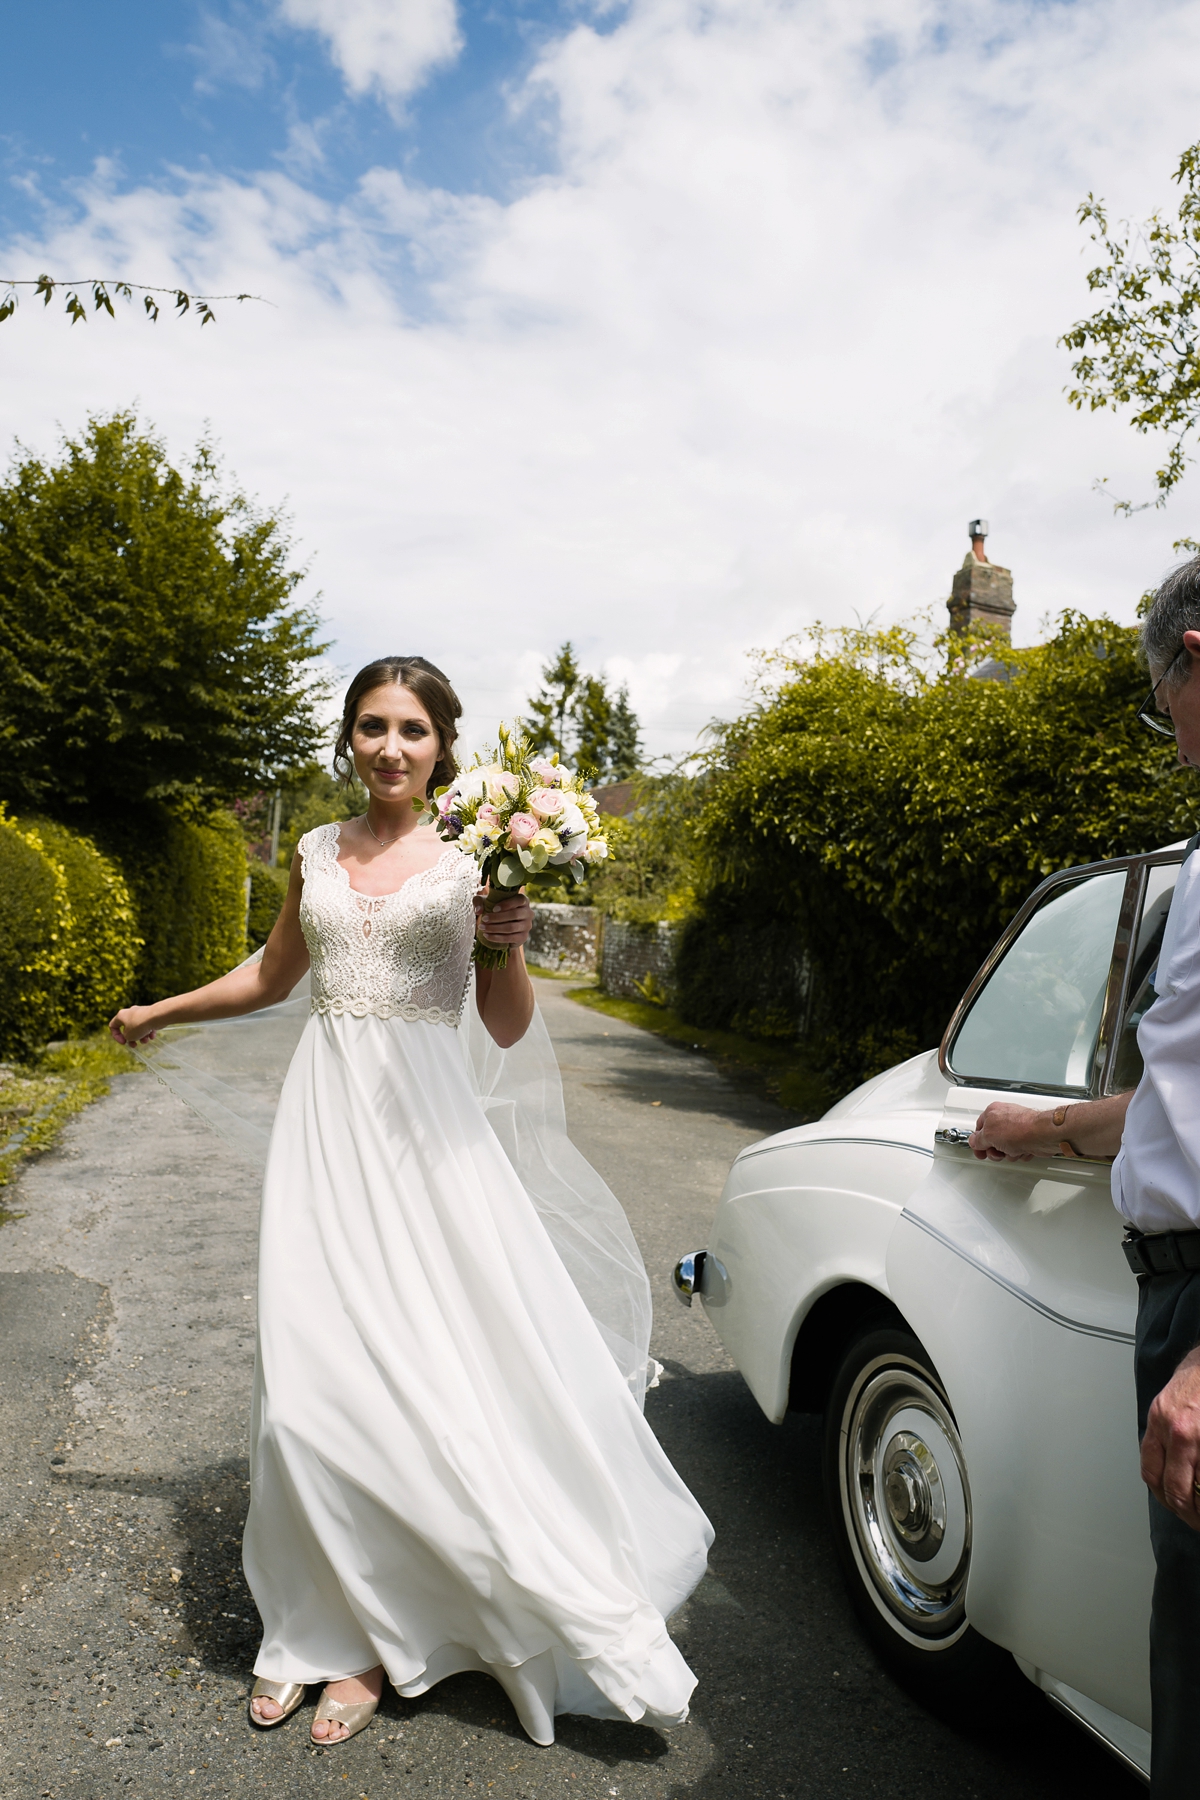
pixel 1036 1021
pixel 1160 885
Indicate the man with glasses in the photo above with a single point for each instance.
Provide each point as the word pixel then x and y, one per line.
pixel 1154 1134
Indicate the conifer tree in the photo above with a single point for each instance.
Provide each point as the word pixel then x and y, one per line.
pixel 624 738
pixel 592 717
pixel 575 714
pixel 549 709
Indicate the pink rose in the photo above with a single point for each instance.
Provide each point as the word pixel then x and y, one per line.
pixel 487 818
pixel 549 772
pixel 501 786
pixel 523 828
pixel 546 802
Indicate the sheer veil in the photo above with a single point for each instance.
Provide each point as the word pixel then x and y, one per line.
pixel 231 1071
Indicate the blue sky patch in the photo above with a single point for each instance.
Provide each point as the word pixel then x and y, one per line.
pixel 232 89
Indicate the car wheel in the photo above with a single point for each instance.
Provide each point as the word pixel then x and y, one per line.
pixel 900 1503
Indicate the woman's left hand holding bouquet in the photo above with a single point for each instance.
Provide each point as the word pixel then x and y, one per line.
pixel 504 996
pixel 507 923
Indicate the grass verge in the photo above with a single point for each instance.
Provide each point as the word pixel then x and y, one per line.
pixel 778 1071
pixel 37 1099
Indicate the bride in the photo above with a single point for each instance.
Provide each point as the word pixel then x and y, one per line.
pixel 449 1471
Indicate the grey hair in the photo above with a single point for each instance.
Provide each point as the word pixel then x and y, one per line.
pixel 1176 609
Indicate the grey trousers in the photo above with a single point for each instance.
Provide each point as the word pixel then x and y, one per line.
pixel 1168 1326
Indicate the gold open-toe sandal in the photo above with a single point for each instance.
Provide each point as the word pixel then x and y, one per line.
pixel 286 1694
pixel 355 1716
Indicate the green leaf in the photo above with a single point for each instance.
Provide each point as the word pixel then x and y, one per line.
pixel 509 871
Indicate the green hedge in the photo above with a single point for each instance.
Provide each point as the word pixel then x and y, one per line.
pixel 35 931
pixel 268 890
pixel 188 881
pixel 103 945
pixel 159 910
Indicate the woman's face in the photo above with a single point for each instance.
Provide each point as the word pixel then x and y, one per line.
pixel 394 744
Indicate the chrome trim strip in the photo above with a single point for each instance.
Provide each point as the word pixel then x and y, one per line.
pixel 1047 1312
pixel 1097 1735
pixel 803 1143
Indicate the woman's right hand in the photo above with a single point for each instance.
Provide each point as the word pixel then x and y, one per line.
pixel 131 1025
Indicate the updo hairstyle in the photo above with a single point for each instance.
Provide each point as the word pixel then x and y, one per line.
pixel 432 690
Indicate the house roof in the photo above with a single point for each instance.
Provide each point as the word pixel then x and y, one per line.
pixel 614 798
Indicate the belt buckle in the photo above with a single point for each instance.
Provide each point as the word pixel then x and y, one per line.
pixel 1131 1244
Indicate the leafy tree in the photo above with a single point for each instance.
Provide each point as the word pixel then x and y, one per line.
pixel 876 818
pixel 312 797
pixel 150 647
pixel 1142 348
pixel 550 708
pixel 654 867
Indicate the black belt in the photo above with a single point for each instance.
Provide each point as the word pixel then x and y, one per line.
pixel 1162 1252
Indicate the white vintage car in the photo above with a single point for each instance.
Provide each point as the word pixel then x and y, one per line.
pixel 967 1327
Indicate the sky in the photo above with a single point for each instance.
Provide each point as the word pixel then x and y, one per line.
pixel 669 327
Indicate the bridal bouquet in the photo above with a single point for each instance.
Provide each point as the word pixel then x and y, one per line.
pixel 526 820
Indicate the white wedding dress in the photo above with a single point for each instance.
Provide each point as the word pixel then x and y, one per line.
pixel 450 1471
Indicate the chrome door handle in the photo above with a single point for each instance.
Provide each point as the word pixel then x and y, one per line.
pixel 951 1134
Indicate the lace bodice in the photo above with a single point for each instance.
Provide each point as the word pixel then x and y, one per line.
pixel 403 955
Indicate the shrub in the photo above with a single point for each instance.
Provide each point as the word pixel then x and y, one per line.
pixel 652 869
pixel 102 945
pixel 35 929
pixel 268 890
pixel 877 818
pixel 188 881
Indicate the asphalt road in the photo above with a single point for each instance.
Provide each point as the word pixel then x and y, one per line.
pixel 126 1343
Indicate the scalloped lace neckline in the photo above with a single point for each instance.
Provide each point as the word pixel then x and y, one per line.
pixel 392 892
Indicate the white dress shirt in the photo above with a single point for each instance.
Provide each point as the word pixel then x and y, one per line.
pixel 1156 1178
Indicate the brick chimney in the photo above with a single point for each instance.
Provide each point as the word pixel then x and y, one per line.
pixel 981 593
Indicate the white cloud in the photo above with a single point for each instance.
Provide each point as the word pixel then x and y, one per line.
pixel 384 45
pixel 226 53
pixel 784 321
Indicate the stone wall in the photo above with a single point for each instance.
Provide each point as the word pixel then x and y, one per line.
pixel 564 938
pixel 630 953
pixel 579 940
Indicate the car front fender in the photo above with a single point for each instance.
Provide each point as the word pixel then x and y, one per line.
pixel 797 1219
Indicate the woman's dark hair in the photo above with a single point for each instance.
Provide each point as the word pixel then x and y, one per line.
pixel 432 690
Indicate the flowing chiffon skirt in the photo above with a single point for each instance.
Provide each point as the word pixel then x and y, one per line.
pixel 449 1471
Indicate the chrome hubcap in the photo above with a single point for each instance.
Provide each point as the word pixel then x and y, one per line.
pixel 905 1498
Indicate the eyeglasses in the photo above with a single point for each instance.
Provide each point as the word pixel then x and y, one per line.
pixel 1149 712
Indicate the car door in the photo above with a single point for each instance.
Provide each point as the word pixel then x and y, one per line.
pixel 1013 1276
